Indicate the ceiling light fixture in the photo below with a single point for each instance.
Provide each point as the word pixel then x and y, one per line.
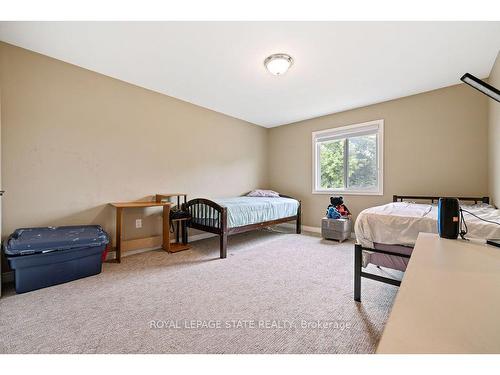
pixel 278 64
pixel 481 86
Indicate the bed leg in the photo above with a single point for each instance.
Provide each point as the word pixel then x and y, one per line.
pixel 357 272
pixel 223 232
pixel 223 245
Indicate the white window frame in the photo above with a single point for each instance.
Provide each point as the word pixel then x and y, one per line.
pixel 376 126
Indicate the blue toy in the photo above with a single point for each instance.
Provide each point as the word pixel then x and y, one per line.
pixel 333 213
pixel 337 209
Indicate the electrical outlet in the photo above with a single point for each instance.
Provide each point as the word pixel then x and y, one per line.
pixel 138 223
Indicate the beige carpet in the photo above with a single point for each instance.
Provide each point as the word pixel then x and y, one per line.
pixel 255 301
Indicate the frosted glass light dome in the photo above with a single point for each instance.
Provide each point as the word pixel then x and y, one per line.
pixel 278 64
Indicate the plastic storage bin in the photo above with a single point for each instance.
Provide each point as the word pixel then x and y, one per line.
pixel 48 256
pixel 336 229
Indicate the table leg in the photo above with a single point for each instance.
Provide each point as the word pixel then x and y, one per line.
pixel 166 228
pixel 119 220
pixel 184 232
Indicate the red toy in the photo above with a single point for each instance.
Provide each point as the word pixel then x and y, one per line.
pixel 338 203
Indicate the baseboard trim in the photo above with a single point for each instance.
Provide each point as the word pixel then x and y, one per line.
pixel 309 229
pixel 201 236
pixel 193 238
pixel 305 228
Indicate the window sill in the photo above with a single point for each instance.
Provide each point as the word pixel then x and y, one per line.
pixel 346 192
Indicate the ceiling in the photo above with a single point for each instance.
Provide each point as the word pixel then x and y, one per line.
pixel 219 65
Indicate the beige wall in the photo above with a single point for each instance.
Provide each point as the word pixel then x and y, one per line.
pixel 434 143
pixel 494 136
pixel 73 140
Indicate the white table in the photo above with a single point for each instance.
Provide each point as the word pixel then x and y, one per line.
pixel 449 300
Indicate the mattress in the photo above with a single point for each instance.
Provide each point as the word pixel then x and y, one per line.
pixel 389 261
pixel 252 210
pixel 399 223
pixel 395 227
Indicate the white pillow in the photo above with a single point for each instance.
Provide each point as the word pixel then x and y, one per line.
pixel 263 193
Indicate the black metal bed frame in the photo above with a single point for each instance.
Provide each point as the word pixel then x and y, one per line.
pixel 358 249
pixel 208 216
pixel 401 198
pixel 359 273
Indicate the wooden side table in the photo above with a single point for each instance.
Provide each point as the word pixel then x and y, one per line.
pixel 120 243
pixel 180 225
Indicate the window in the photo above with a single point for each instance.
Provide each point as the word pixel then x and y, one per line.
pixel 349 159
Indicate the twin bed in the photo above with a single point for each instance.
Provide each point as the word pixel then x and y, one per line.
pixel 241 214
pixel 386 235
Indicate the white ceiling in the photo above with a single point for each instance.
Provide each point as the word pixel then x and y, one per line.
pixel 219 65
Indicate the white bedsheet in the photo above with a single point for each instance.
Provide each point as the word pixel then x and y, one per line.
pixel 399 223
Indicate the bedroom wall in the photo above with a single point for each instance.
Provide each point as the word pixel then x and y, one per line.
pixel 74 140
pixel 494 135
pixel 434 143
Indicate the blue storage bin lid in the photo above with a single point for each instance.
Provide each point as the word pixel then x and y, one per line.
pixel 26 241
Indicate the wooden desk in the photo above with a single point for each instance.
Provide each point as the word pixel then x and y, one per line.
pixel 448 301
pixel 119 222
